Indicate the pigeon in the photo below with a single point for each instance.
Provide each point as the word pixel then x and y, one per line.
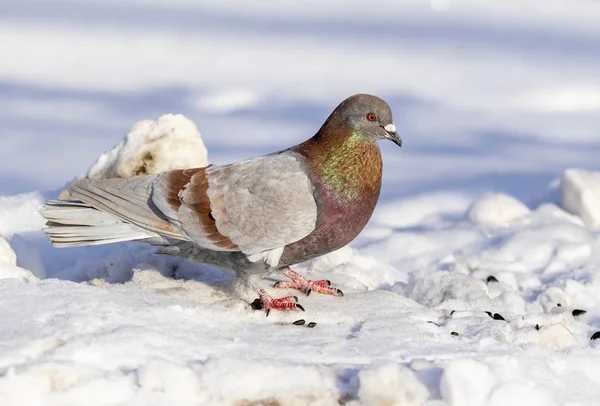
pixel 251 217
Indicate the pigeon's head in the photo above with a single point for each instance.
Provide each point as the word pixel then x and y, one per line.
pixel 369 116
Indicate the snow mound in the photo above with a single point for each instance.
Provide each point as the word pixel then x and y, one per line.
pixel 14 272
pixel 467 382
pixel 8 264
pixel 556 336
pixel 151 146
pixel 7 255
pixel 391 384
pixel 580 195
pixel 497 209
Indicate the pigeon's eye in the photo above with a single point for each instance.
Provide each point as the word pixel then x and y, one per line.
pixel 371 117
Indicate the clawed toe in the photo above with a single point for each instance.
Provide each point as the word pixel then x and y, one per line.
pixel 307 286
pixel 323 282
pixel 266 302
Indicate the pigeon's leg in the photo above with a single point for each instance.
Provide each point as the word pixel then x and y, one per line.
pixel 267 302
pixel 307 286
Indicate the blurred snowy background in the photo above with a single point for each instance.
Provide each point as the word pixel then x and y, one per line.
pixel 489 96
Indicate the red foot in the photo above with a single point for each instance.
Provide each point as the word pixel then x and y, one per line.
pixel 307 286
pixel 267 302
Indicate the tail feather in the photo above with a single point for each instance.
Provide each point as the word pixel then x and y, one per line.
pixel 127 199
pixel 73 223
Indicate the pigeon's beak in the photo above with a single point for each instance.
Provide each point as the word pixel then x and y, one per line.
pixel 392 135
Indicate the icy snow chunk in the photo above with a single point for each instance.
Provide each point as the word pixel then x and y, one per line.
pixel 467 382
pixel 8 264
pixel 14 272
pixel 574 252
pixel 170 142
pixel 497 209
pixel 7 255
pixel 353 271
pixel 390 384
pixel 553 297
pixel 556 336
pixel 549 213
pixel 580 195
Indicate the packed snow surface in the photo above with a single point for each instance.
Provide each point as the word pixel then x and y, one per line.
pixel 476 282
pixel 450 313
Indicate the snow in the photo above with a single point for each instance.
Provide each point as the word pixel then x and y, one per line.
pixel 580 194
pixel 494 101
pixel 412 328
pixel 19 213
pixel 389 384
pixel 497 209
pixel 7 255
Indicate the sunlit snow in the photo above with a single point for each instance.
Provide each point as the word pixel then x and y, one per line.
pixel 476 281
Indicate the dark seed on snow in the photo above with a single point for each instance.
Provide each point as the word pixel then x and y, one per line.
pixel 558 305
pixel 311 324
pixel 537 326
pixel 491 278
pixel 452 312
pixel 299 322
pixel 596 335
pixel 433 322
pixel 498 317
pixel 454 333
pixel 578 312
pixel 490 314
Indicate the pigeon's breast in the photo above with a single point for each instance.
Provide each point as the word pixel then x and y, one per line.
pixel 344 208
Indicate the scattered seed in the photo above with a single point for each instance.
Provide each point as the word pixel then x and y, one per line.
pixel 490 314
pixel 311 324
pixel 596 335
pixel 498 317
pixel 299 322
pixel 578 312
pixel 537 326
pixel 491 278
pixel 452 312
pixel 433 322
pixel 558 305
pixel 454 333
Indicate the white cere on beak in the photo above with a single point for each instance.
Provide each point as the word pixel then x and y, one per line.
pixel 391 128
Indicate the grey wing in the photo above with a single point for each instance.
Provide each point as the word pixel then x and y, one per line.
pixel 263 204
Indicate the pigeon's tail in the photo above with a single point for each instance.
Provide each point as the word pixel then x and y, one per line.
pixel 72 223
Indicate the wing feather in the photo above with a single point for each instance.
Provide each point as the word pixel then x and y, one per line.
pixel 263 204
